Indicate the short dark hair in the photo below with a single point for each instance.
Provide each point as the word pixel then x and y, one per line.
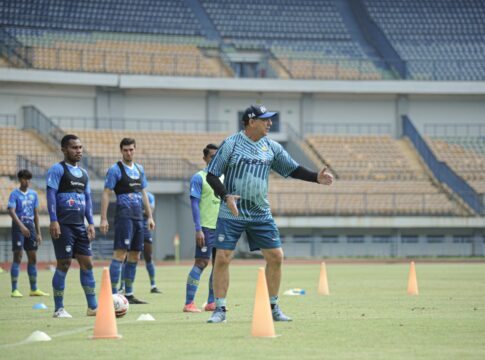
pixel 24 174
pixel 65 140
pixel 127 141
pixel 209 147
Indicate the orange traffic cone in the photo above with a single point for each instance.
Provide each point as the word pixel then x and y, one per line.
pixel 323 283
pixel 262 318
pixel 105 324
pixel 412 280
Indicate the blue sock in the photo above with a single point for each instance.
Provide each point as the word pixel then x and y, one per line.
pixel 130 272
pixel 114 274
pixel 123 269
pixel 192 284
pixel 151 272
pixel 89 285
pixel 32 271
pixel 210 298
pixel 58 283
pixel 14 274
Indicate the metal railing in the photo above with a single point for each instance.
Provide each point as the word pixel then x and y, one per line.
pixel 138 124
pixel 344 204
pixel 454 130
pixel 8 120
pixel 126 62
pixel 335 68
pixel 13 50
pixel 347 128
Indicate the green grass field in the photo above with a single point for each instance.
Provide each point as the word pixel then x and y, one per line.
pixel 367 316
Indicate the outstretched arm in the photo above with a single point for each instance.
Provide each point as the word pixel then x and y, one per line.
pixel 323 177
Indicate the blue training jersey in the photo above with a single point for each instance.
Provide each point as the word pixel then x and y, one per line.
pixel 246 165
pixel 71 206
pixel 128 205
pixel 24 204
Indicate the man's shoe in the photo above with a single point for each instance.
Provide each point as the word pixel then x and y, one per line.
pixel 61 313
pixel 121 291
pixel 278 314
pixel 210 306
pixel 218 316
pixel 91 312
pixel 38 292
pixel 155 290
pixel 191 308
pixel 133 300
pixel 16 294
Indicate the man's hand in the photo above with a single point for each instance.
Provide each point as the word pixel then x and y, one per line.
pixel 104 226
pixel 91 232
pixel 231 204
pixel 38 239
pixel 325 177
pixel 25 231
pixel 151 224
pixel 55 230
pixel 200 238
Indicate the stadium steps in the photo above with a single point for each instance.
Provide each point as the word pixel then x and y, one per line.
pixel 355 32
pixel 204 20
pixel 413 157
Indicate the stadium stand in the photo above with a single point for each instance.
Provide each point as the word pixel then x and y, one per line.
pixel 376 175
pixel 14 142
pixel 161 153
pixel 308 39
pixel 120 53
pixel 447 43
pixel 137 16
pixel 465 155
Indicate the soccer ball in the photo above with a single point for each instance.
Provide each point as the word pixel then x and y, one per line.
pixel 121 305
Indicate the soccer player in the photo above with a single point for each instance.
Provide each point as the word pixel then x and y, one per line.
pixel 205 207
pixel 23 208
pixel 147 251
pixel 127 179
pixel 69 202
pixel 245 159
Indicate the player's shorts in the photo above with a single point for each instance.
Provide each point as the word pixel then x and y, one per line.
pixel 72 241
pixel 19 241
pixel 129 234
pixel 205 252
pixel 261 235
pixel 147 234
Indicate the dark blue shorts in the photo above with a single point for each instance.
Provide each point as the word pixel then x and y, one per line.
pixel 206 251
pixel 19 241
pixel 261 235
pixel 72 241
pixel 129 234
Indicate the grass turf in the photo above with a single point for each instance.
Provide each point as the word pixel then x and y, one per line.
pixel 367 316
